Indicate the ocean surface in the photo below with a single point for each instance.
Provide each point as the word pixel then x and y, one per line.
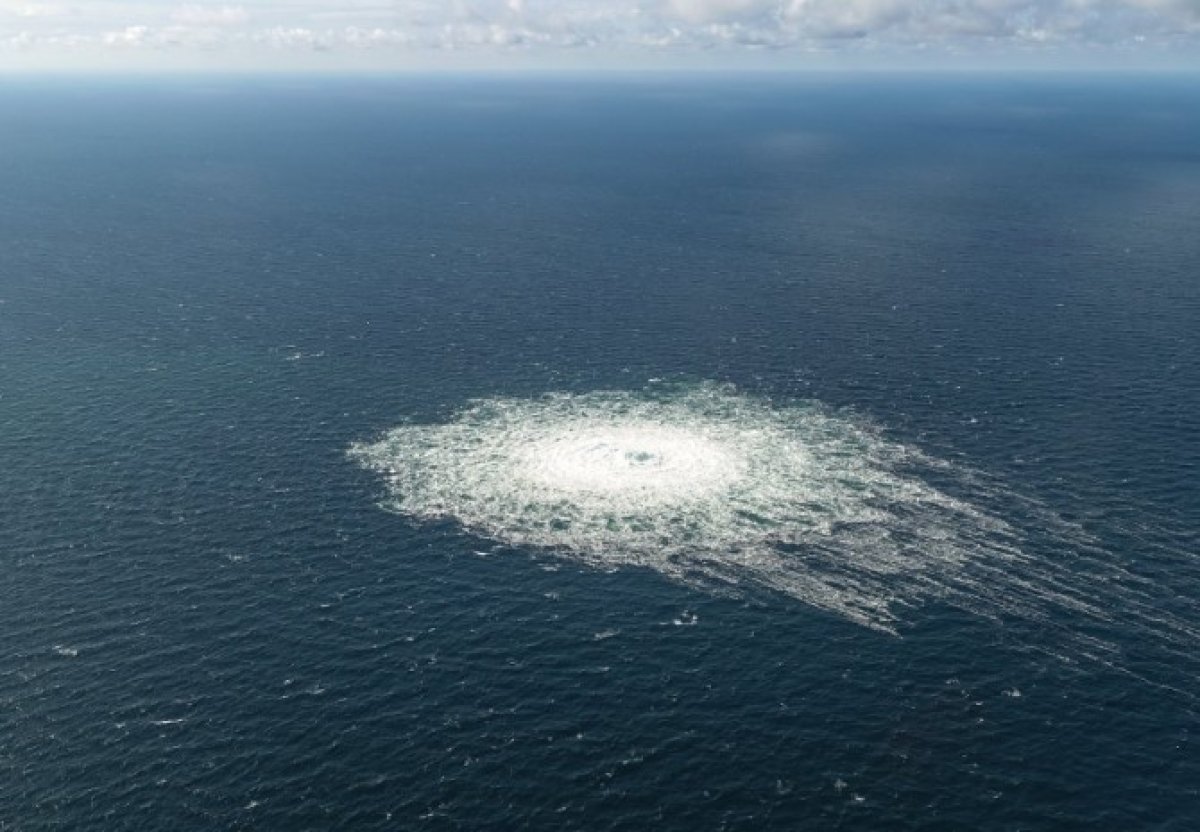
pixel 645 453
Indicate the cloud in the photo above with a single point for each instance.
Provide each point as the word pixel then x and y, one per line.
pixel 292 37
pixel 671 28
pixel 129 36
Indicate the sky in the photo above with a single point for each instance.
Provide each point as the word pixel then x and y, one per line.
pixel 471 35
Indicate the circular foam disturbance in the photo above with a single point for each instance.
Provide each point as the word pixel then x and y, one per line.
pixel 710 486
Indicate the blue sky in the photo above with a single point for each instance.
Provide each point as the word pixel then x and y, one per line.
pixel 314 35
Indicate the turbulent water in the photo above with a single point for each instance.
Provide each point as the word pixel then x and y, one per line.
pixel 731 492
pixel 755 454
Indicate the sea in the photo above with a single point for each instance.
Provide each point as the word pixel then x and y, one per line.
pixel 625 452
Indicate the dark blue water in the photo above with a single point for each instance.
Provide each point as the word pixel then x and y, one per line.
pixel 209 290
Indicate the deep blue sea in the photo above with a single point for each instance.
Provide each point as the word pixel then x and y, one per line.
pixel 976 301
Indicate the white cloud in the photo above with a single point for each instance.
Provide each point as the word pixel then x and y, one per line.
pixel 699 30
pixel 129 36
pixel 292 37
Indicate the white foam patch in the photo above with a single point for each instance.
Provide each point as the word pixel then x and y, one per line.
pixel 709 486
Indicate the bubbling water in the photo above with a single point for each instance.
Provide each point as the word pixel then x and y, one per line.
pixel 713 487
pixel 655 462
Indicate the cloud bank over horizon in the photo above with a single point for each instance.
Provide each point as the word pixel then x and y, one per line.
pixel 300 34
